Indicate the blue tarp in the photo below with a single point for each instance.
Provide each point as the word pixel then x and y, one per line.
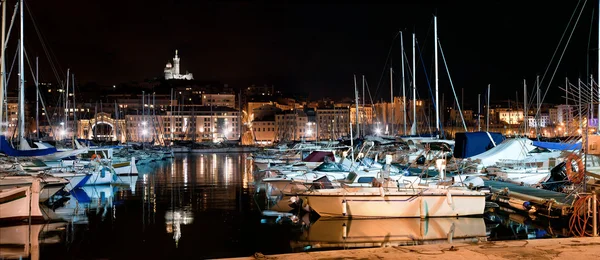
pixel 7 149
pixel 557 146
pixel 474 143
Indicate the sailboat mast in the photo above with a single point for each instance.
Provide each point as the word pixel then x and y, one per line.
pixel 478 112
pixel 437 103
pixel 356 102
pixel 598 82
pixel 487 117
pixel 363 103
pixel 403 82
pixel 537 113
pixel 392 99
pixel 568 114
pixel 116 123
pixel 525 114
pixel 37 100
pixel 2 65
pixel 414 83
pixel 66 125
pixel 74 108
pixel 21 122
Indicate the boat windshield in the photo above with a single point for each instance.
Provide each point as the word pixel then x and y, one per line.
pixel 331 167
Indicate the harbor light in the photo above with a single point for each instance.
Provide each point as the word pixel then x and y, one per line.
pixel 63 133
pixel 309 132
pixel 378 131
pixel 144 132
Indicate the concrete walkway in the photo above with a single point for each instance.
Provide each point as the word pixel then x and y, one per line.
pixel 557 248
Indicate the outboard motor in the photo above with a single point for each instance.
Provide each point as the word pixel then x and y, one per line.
pixel 558 178
pixel 421 160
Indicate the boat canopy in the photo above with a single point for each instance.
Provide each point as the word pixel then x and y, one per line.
pixel 474 143
pixel 558 146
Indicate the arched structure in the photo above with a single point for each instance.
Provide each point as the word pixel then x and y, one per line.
pixel 114 129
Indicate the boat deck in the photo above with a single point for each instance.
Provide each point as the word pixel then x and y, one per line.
pixel 530 191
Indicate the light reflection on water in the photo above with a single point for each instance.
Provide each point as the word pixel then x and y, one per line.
pixel 205 206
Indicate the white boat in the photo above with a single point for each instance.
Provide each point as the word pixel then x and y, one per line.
pixel 21 203
pixel 126 168
pixel 356 233
pixel 434 201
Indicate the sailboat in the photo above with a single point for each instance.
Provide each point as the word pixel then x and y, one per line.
pixel 24 150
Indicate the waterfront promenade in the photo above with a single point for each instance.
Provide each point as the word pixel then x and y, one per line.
pixel 555 248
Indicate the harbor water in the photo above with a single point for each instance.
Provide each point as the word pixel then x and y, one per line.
pixel 210 206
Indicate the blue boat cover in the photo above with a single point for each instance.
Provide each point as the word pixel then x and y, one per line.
pixel 7 149
pixel 557 146
pixel 474 143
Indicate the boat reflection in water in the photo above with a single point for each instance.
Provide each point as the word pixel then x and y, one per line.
pixel 174 219
pixel 97 198
pixel 350 233
pixel 23 241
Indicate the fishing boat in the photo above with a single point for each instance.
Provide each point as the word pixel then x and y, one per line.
pixel 431 201
pixel 21 203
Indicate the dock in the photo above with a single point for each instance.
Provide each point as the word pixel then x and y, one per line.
pixel 530 199
pixel 552 248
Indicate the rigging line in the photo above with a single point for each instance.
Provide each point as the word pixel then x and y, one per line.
pixel 11 68
pixel 37 81
pixel 452 84
pixel 386 62
pixel 561 57
pixel 425 117
pixel 49 53
pixel 428 85
pixel 587 63
pixel 562 37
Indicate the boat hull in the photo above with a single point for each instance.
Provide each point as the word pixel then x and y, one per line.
pixel 368 203
pixel 20 203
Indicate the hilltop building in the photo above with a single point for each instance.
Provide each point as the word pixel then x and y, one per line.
pixel 172 70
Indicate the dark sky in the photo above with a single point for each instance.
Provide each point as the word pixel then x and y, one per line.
pixel 314 48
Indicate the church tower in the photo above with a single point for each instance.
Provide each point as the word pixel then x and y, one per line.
pixel 176 65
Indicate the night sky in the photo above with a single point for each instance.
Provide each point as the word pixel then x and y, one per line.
pixel 313 48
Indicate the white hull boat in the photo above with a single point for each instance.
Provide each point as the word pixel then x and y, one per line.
pixel 386 203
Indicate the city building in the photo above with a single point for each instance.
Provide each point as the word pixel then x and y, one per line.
pixel 291 125
pixel 332 123
pixel 509 116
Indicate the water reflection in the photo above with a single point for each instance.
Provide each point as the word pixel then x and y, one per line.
pixel 23 241
pixel 352 233
pixel 210 206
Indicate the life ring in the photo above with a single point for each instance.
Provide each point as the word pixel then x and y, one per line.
pixel 96 157
pixel 575 177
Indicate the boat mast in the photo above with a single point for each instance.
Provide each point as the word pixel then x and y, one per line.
pixel 37 100
pixel 392 100
pixel 66 104
pixel 403 82
pixel 525 114
pixel 568 114
pixel 487 118
pixel 2 68
pixel 478 112
pixel 414 83
pixel 537 113
pixel 437 103
pixel 117 122
pixel 356 101
pixel 74 111
pixel 21 122
pixel 363 105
